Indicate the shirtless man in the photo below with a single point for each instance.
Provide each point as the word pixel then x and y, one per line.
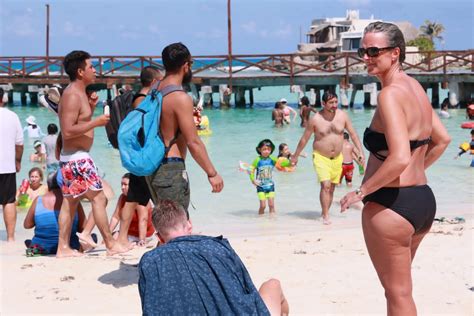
pixel 170 180
pixel 80 178
pixel 305 111
pixel 328 126
pixel 278 115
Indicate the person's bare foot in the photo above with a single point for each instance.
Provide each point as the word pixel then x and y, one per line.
pixel 117 248
pixel 11 239
pixel 86 239
pixel 326 221
pixel 68 252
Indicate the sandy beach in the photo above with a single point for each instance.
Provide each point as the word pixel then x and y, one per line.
pixel 327 272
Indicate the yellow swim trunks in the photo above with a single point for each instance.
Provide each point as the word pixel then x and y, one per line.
pixel 326 168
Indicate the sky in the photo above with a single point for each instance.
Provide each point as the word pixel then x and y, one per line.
pixel 145 27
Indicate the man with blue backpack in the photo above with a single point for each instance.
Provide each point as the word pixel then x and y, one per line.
pixel 154 138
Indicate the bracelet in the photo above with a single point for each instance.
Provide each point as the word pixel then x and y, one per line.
pixel 215 174
pixel 358 192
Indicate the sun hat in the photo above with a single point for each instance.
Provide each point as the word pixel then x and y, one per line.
pixel 283 100
pixel 31 120
pixel 54 95
pixel 265 142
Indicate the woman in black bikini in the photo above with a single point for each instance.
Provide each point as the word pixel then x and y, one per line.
pixel 404 138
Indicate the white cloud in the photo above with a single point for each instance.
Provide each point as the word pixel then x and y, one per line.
pixel 212 34
pixel 354 4
pixel 284 31
pixel 250 27
pixel 22 25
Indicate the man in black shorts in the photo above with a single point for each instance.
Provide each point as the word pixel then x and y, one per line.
pixel 138 193
pixel 11 150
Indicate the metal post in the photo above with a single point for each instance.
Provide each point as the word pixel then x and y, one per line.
pixel 229 40
pixel 47 39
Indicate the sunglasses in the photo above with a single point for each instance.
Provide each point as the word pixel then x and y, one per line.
pixel 372 51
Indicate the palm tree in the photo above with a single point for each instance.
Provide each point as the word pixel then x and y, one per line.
pixel 432 30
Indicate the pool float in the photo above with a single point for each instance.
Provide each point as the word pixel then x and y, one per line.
pixel 204 129
pixel 467 125
pixel 284 164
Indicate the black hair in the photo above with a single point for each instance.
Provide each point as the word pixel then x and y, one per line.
pixel 392 32
pixel 52 129
pixel 148 74
pixel 346 135
pixel 305 100
pixel 1 95
pixel 126 175
pixel 277 104
pixel 174 56
pixel 52 181
pixel 328 95
pixel 472 132
pixel 73 61
pixel 265 142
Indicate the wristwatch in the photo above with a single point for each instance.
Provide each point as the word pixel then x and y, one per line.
pixel 358 192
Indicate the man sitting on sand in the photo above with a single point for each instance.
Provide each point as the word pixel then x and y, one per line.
pixel 198 275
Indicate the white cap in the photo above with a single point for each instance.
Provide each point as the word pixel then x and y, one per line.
pixel 283 100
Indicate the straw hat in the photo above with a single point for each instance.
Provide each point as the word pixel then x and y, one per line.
pixel 54 95
pixel 31 120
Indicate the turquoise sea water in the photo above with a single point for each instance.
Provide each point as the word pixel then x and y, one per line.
pixel 236 133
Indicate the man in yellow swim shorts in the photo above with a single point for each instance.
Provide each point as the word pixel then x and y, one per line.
pixel 328 126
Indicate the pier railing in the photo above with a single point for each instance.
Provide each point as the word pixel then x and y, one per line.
pixel 24 69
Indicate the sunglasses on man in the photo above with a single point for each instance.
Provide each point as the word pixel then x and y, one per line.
pixel 372 51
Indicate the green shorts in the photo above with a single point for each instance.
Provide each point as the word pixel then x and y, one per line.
pixel 262 196
pixel 170 182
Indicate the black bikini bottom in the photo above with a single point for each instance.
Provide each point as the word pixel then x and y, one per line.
pixel 416 204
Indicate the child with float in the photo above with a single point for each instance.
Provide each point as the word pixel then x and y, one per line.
pixel 260 172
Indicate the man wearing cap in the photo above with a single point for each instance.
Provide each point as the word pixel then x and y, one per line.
pixel 287 110
pixel 11 150
pixel 328 126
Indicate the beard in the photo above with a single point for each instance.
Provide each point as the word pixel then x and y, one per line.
pixel 187 77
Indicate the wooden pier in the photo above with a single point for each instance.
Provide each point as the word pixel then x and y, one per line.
pixel 308 72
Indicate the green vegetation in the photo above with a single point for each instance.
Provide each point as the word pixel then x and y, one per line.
pixel 432 31
pixel 423 43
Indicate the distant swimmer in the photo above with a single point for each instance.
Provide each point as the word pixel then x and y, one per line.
pixel 287 110
pixel 467 147
pixel 305 111
pixel 278 115
pixel 33 129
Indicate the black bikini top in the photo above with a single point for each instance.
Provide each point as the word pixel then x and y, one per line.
pixel 376 142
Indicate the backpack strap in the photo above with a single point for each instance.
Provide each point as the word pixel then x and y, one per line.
pixel 164 92
pixel 170 89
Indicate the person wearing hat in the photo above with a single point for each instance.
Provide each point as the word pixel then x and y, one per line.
pixel 34 131
pixel 287 110
pixel 38 155
pixel 261 175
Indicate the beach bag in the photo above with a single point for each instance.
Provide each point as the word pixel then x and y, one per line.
pixel 140 144
pixel 120 107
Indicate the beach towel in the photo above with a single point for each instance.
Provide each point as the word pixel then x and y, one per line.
pixel 197 275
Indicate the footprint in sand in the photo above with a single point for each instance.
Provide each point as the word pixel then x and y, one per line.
pixel 67 278
pixel 26 266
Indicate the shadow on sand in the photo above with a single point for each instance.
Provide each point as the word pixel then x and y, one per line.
pixel 125 275
pixel 310 215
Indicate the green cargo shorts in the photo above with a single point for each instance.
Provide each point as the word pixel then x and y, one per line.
pixel 170 182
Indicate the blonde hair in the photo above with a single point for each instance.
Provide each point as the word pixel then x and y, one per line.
pixel 168 215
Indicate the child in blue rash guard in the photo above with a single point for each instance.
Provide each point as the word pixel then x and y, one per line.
pixel 261 175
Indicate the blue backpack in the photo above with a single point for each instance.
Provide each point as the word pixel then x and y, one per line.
pixel 140 144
